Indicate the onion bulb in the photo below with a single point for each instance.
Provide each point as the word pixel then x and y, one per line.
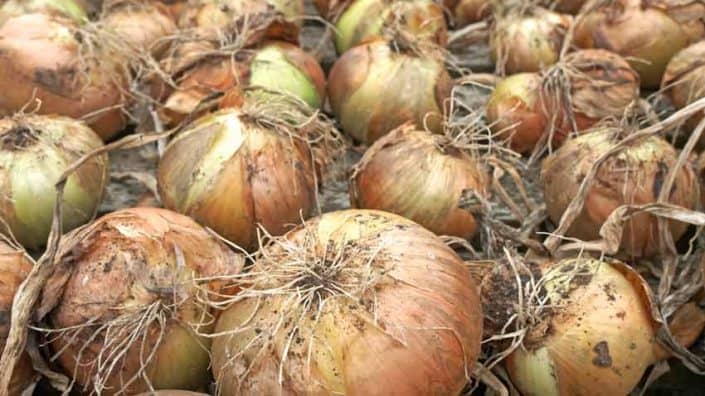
pixel 143 26
pixel 646 32
pixel 126 306
pixel 355 302
pixel 567 6
pixel 374 88
pixel 66 8
pixel 45 68
pixel 365 20
pixel 588 327
pixel 528 42
pixel 684 80
pixel 420 176
pixel 467 12
pixel 634 176
pixel 34 152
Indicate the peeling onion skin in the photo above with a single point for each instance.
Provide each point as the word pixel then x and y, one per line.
pixel 142 25
pixel 649 160
pixel 231 175
pixel 30 165
pixel 67 8
pixel 373 89
pixel 684 80
pixel 40 68
pixel 117 266
pixel 424 295
pixel 419 176
pixel 619 26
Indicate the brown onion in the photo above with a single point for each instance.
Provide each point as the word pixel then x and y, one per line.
pixel 633 176
pixel 45 68
pixel 420 176
pixel 34 152
pixel 647 32
pixel 567 6
pixel 684 80
pixel 143 26
pixel 528 42
pixel 354 302
pixel 71 9
pixel 126 305
pixel 373 89
pixel 466 12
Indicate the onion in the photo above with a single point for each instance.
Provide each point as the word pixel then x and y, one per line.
pixel 172 393
pixel 44 67
pixel 419 176
pixel 34 152
pixel 366 20
pixel 373 89
pixel 71 9
pixel 648 32
pixel 528 42
pixel 684 80
pixel 355 302
pixel 589 327
pixel 567 6
pixel 633 176
pixel 126 304
pixel 141 25
pixel 466 12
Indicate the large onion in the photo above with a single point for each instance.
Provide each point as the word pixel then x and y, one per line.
pixel 34 152
pixel 633 176
pixel 45 67
pixel 67 8
pixel 354 302
pixel 373 89
pixel 528 42
pixel 647 32
pixel 143 26
pixel 419 176
pixel 126 304
pixel 684 79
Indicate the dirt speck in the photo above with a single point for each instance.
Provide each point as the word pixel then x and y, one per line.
pixel 602 358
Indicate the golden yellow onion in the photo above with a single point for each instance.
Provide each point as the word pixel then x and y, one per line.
pixel 420 176
pixel 143 26
pixel 633 176
pixel 126 305
pixel 684 79
pixel 647 32
pixel 34 152
pixel 354 302
pixel 67 8
pixel 373 89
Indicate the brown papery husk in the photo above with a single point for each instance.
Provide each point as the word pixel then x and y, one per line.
pixel 353 302
pixel 127 305
pixel 646 32
pixel 567 6
pixel 634 176
pixel 144 26
pixel 684 81
pixel 466 12
pixel 420 176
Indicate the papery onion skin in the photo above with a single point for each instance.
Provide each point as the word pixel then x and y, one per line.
pixel 422 294
pixel 41 70
pixel 373 89
pixel 684 80
pixel 230 174
pixel 116 267
pixel 419 176
pixel 528 43
pixel 34 152
pixel 66 8
pixel 633 176
pixel 648 33
pixel 142 25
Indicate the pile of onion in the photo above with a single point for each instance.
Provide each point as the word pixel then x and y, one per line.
pixel 34 152
pixel 71 9
pixel 143 26
pixel 420 176
pixel 466 12
pixel 646 32
pixel 353 302
pixel 528 41
pixel 365 20
pixel 634 176
pixel 684 79
pixel 47 67
pixel 376 87
pixel 127 305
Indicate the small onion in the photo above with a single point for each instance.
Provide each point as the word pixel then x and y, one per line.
pixel 365 20
pixel 141 25
pixel 684 80
pixel 466 12
pixel 373 89
pixel 126 305
pixel 67 8
pixel 43 65
pixel 420 176
pixel 633 176
pixel 648 32
pixel 528 42
pixel 355 302
pixel 34 152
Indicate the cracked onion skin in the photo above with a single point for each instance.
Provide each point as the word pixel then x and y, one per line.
pixel 40 68
pixel 231 175
pixel 34 152
pixel 684 80
pixel 648 163
pixel 420 176
pixel 648 32
pixel 422 294
pixel 116 267
pixel 374 89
